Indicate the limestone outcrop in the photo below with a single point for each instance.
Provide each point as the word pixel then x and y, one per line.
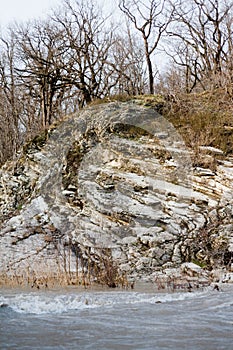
pixel 111 193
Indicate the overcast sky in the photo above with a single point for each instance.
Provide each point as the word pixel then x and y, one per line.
pixel 23 10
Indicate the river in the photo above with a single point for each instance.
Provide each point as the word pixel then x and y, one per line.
pixel 141 319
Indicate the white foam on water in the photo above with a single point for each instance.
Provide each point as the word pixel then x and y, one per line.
pixel 46 302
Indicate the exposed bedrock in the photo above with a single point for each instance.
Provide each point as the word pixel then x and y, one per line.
pixel 112 185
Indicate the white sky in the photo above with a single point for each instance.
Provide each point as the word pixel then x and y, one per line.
pixel 23 10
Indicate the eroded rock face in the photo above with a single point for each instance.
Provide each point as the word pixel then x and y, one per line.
pixel 114 181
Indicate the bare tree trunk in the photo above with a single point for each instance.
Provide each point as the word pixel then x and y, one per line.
pixel 150 68
pixel 148 17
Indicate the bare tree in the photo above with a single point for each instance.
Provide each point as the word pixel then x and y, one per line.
pixel 203 37
pixel 128 62
pixel 41 68
pixel 88 44
pixel 151 18
pixel 10 106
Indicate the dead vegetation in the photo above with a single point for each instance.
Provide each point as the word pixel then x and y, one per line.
pixel 92 268
pixel 203 119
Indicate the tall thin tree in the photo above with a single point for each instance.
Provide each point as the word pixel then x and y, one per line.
pixel 151 19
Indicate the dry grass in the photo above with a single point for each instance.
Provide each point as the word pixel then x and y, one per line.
pixel 203 119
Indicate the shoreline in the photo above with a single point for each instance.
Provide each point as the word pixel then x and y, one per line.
pixel 139 287
pixel 187 277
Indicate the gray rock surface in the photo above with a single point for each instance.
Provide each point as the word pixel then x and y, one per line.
pixel 112 186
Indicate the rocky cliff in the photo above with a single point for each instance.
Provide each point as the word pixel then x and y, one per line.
pixel 110 194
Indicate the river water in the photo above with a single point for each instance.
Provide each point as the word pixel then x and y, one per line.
pixel 116 320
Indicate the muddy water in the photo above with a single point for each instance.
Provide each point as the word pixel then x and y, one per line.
pixel 99 320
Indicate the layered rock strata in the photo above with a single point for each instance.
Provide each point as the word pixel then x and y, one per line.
pixel 112 191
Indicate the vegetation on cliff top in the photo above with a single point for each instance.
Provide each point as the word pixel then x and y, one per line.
pixel 204 121
pixel 79 53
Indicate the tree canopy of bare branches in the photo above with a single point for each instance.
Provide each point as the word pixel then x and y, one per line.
pixel 55 66
pixel 202 33
pixel 151 19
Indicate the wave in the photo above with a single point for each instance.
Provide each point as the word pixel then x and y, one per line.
pixel 51 302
